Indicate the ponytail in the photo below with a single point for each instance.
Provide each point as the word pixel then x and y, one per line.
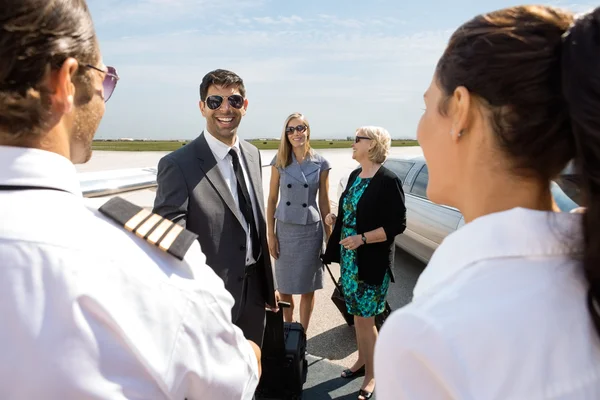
pixel 581 89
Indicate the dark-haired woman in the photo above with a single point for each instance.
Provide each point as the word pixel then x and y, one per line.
pixel 508 307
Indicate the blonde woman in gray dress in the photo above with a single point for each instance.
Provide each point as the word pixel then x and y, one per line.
pixel 299 177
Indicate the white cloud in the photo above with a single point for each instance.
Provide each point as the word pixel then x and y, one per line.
pixel 575 7
pixel 340 79
pixel 345 22
pixel 342 69
pixel 342 72
pixel 290 52
pixel 146 12
pixel 294 19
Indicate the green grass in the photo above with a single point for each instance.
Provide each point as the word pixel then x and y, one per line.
pixel 137 146
pixel 165 145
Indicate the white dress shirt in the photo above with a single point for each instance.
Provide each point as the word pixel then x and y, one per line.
pixel 499 313
pixel 89 310
pixel 221 152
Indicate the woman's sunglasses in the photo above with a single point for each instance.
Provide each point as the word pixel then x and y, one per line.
pixel 357 139
pixel 110 80
pixel 214 102
pixel 290 129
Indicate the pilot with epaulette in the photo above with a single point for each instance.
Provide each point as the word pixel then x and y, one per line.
pixel 109 303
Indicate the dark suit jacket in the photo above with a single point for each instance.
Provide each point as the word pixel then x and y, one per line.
pixel 192 192
pixel 381 205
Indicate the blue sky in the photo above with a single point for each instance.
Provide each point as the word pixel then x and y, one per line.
pixel 343 63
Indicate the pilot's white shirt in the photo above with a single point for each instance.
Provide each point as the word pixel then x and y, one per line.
pixel 499 313
pixel 89 310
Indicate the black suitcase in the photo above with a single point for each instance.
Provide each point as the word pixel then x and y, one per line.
pixel 338 299
pixel 284 365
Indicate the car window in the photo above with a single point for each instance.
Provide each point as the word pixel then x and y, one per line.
pixel 563 201
pixel 400 168
pixel 571 186
pixel 419 188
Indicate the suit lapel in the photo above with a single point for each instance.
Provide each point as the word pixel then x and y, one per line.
pixel 301 172
pixel 209 166
pixel 295 171
pixel 310 167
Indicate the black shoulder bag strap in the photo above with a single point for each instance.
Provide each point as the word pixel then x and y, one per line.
pixel 335 282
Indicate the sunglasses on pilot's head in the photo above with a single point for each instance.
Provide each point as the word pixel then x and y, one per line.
pixel 110 80
pixel 290 129
pixel 214 102
pixel 358 138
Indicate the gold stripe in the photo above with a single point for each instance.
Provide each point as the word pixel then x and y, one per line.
pixel 170 238
pixel 159 231
pixel 136 219
pixel 146 226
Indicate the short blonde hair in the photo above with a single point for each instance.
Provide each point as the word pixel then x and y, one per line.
pixel 381 139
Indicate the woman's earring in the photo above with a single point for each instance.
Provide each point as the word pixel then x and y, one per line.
pixel 459 133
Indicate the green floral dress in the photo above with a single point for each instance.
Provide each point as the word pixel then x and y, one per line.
pixel 362 299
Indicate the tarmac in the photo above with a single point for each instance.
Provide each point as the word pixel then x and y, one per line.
pixel 331 342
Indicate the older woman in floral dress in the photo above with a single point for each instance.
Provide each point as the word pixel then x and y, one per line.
pixel 371 213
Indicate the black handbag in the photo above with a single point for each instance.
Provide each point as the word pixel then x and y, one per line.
pixel 338 299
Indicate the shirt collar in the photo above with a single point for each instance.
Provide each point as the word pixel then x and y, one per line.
pixel 21 166
pixel 518 232
pixel 218 148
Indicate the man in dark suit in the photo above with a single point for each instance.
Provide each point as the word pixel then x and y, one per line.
pixel 213 187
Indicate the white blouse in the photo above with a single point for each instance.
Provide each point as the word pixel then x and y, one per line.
pixel 499 313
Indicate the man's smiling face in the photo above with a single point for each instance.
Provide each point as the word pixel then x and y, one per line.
pixel 223 121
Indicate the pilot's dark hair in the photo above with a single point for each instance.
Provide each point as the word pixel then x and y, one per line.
pixel 37 36
pixel 537 70
pixel 221 77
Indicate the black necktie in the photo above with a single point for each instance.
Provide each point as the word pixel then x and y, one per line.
pixel 245 202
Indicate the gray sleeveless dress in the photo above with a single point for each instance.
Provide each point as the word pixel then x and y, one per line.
pixel 299 227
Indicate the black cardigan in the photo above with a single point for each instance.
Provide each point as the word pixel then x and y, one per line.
pixel 381 205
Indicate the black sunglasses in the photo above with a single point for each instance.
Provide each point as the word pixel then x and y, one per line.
pixel 214 102
pixel 290 129
pixel 110 80
pixel 357 139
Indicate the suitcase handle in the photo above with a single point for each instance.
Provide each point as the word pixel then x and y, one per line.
pixel 283 304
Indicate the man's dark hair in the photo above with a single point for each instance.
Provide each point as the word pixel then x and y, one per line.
pixel 537 70
pixel 37 36
pixel 221 77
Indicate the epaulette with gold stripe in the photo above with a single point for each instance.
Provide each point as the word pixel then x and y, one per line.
pixel 164 234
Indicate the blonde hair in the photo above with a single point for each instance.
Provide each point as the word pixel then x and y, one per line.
pixel 381 142
pixel 284 153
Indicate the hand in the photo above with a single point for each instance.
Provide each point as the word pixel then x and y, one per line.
pixel 273 246
pixel 352 242
pixel 276 308
pixel 330 219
